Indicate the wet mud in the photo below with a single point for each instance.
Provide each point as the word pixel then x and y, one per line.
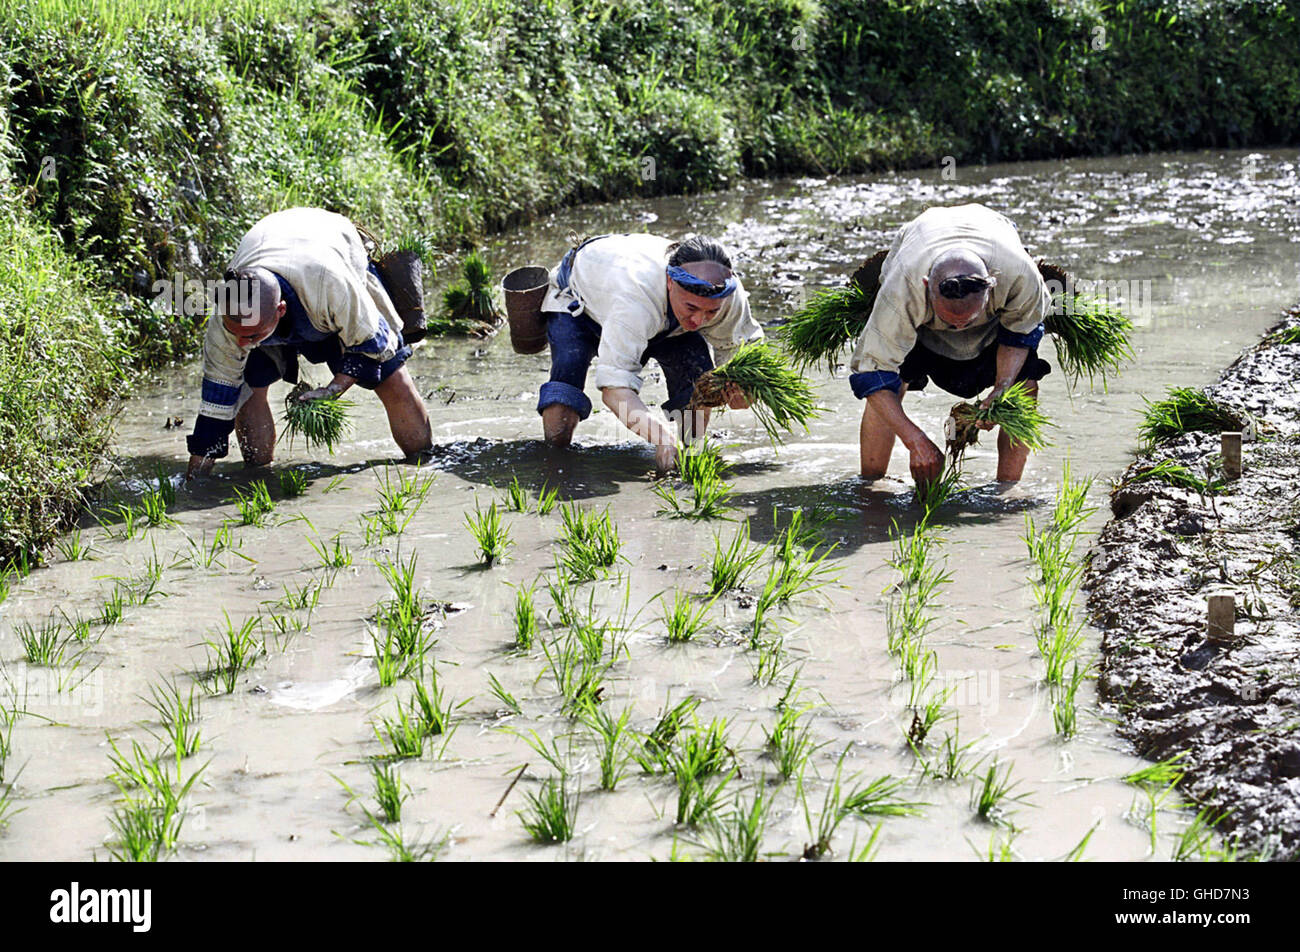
pixel 1230 706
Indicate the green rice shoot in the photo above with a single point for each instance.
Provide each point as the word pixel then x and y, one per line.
pixel 320 422
pixel 1091 337
pixel 1016 412
pixel 821 330
pixel 780 396
pixel 1185 410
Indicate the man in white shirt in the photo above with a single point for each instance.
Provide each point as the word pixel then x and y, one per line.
pixel 300 284
pixel 626 299
pixel 960 301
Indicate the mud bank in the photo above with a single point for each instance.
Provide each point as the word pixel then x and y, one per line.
pixel 1232 708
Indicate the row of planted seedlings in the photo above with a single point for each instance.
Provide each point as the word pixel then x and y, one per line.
pixel 1059 629
pixel 583 641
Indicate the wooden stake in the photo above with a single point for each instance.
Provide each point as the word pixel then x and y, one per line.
pixel 1221 616
pixel 1231 452
pixel 508 789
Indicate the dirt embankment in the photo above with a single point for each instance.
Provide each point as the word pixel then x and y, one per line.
pixel 1235 707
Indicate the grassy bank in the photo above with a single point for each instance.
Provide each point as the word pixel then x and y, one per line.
pixel 147 136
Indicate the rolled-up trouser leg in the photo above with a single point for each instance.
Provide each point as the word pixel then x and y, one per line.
pixel 574 341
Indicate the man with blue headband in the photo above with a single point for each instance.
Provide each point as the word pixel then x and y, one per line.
pixel 960 303
pixel 624 300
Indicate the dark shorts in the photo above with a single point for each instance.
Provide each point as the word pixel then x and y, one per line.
pixel 964 378
pixel 574 341
pixel 266 365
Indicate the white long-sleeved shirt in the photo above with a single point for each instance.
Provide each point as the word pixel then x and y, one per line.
pixel 619 282
pixel 321 256
pixel 902 314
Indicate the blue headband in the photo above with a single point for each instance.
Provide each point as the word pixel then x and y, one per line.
pixel 700 287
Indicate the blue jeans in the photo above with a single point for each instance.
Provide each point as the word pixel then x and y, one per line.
pixel 574 342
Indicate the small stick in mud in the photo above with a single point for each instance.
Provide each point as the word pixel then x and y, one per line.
pixel 1221 614
pixel 1230 451
pixel 508 789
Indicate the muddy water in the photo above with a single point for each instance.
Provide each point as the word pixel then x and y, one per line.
pixel 1215 235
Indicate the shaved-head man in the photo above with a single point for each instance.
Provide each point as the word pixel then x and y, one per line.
pixel 960 303
pixel 300 285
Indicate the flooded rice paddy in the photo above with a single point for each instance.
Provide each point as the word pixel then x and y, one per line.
pixel 1206 246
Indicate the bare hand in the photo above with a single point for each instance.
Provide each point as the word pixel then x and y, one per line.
pixel 665 458
pixel 199 466
pixel 319 393
pixel 988 402
pixel 926 461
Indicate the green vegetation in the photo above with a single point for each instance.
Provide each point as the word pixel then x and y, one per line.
pixel 821 330
pixel 320 422
pixel 779 395
pixel 1184 410
pixel 1091 337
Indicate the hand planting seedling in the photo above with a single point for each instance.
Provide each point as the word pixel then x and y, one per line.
pixel 779 395
pixel 320 421
pixel 1015 411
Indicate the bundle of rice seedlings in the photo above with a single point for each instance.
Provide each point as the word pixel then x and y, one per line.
pixel 469 303
pixel 1015 412
pixel 319 422
pixel 1184 410
pixel 778 394
pixel 1091 337
pixel 823 328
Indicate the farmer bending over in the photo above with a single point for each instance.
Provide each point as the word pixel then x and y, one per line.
pixel 300 284
pixel 960 301
pixel 625 299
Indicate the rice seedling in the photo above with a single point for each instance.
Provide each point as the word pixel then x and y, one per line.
pixel 547 499
pixel 403 493
pixel 7 809
pixel 1196 840
pixel 683 620
pixel 1065 711
pixel 390 792
pixel 824 327
pixel 737 835
pixel 153 507
pixel 1163 773
pixel 332 554
pixel 1091 337
pixel 525 618
pixel 768 598
pixel 769 660
pixel 1058 643
pixel 130 521
pixel 655 746
pixel 205 554
pixel 780 396
pixel 492 536
pixel 110 613
pixel 930 496
pixel 927 717
pixel 698 796
pixel 702 751
pixel 706 502
pixel 179 718
pixel 468 303
pixel 509 703
pixel 829 818
pixel 613 743
pixel 1176 474
pixel 320 422
pixel 401 851
pixel 149 817
pixel 870 849
pixel 993 797
pixel 1186 410
pixel 433 710
pixel 71 549
pixel 1076 852
pixel 578 676
pixel 790 742
pixel 516 498
pixel 8 718
pixel 302 598
pixel 44 645
pixel 1287 335
pixel 954 759
pixel 293 483
pixel 1015 412
pixel 880 798
pixel 254 506
pixel 391 663
pixel 1001 848
pixel 403 735
pixel 590 540
pixel 733 563
pixel 551 815
pixel 236 649
pixel 800 571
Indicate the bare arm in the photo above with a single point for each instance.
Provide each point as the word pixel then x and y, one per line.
pixel 1010 360
pixel 626 404
pixel 926 458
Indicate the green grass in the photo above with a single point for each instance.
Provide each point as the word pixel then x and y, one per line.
pixel 1176 474
pixel 319 422
pixel 780 396
pixel 234 650
pixel 390 792
pixel 293 483
pixel 1091 337
pixel 72 548
pixel 658 741
pixel 148 819
pixel 1186 410
pixel 613 743
pixel 178 717
pixel 43 644
pixel 992 799
pixel 333 554
pixel 551 814
pixel 525 618
pixel 491 534
pixel 737 835
pixel 732 564
pixel 790 742
pixel 590 542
